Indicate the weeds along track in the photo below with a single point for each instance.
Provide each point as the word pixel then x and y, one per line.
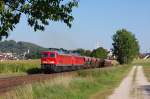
pixel 7 84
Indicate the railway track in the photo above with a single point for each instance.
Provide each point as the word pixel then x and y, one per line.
pixel 7 84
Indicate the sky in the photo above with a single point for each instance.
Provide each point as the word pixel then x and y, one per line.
pixel 95 21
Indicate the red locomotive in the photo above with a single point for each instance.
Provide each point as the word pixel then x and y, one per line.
pixel 55 62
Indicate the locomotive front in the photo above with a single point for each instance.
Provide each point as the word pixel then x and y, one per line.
pixel 48 60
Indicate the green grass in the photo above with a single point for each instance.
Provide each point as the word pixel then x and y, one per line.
pixel 142 62
pixel 86 84
pixel 146 67
pixel 21 66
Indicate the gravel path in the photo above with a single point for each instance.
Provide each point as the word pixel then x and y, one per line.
pixel 142 86
pixel 134 86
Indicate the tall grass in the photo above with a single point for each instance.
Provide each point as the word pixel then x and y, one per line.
pixel 82 86
pixel 21 66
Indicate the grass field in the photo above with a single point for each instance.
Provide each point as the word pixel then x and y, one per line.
pixel 146 67
pixel 142 62
pixel 83 86
pixel 21 66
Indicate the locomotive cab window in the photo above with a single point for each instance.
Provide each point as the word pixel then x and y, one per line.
pixel 52 55
pixel 44 55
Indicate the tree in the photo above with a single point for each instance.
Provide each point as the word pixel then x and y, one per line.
pixel 38 12
pixel 82 52
pixel 99 53
pixel 1 5
pixel 125 46
pixel 79 51
pixel 87 53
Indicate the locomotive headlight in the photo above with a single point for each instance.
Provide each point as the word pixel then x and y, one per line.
pixel 52 62
pixel 48 62
pixel 45 62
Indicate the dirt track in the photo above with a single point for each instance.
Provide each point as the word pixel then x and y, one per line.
pixel 9 83
pixel 134 86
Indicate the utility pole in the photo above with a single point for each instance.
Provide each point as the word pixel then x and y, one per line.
pixel 97 45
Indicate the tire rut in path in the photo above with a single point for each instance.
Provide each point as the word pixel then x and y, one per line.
pixel 134 86
pixel 123 91
pixel 142 86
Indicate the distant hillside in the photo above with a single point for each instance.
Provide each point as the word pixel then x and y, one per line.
pixel 33 50
pixel 20 48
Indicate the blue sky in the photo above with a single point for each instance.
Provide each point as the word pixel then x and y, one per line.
pixel 95 20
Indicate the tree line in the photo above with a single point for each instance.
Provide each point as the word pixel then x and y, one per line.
pixel 32 51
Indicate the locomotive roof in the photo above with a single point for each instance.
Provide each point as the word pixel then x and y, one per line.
pixel 62 53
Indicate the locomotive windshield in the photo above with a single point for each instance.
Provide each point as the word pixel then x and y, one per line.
pixel 52 55
pixel 48 55
pixel 44 55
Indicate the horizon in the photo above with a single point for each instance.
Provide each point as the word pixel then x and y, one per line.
pixel 63 48
pixel 94 22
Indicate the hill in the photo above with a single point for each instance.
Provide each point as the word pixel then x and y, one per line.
pixel 21 48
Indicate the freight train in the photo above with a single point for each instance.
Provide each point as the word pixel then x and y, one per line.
pixel 53 61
